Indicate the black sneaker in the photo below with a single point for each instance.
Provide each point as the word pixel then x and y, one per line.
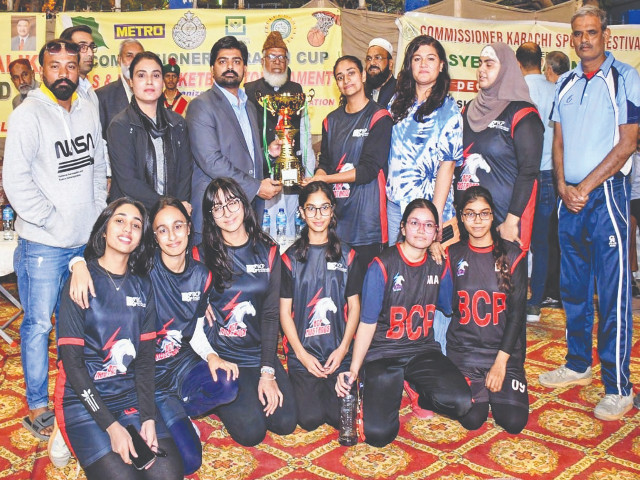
pixel 533 314
pixel 635 291
pixel 550 302
pixel 636 401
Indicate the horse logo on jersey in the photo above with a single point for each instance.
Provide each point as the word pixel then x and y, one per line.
pixel 397 282
pixel 121 354
pixel 468 177
pixel 235 326
pixel 342 190
pixel 169 341
pixel 319 324
pixel 461 267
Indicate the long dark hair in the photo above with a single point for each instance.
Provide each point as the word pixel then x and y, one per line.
pixel 216 257
pixel 503 266
pixel 334 250
pixel 141 259
pixel 406 85
pixel 358 64
pixel 415 204
pixel 161 204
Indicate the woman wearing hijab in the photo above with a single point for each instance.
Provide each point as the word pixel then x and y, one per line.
pixel 149 145
pixel 502 137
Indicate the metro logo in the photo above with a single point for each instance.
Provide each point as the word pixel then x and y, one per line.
pixel 401 321
pixel 139 31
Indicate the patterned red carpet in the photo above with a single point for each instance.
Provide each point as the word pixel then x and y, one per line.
pixel 562 441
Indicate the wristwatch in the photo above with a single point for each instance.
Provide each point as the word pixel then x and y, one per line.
pixel 269 370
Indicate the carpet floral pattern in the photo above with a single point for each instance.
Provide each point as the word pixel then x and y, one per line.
pixel 563 439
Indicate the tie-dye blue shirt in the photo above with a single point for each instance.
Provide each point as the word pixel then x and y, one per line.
pixel 417 150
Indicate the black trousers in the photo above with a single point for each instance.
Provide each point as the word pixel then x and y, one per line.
pixel 441 386
pixel 244 418
pixel 316 399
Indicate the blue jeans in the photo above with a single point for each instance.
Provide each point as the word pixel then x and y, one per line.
pixel 41 271
pixel 542 247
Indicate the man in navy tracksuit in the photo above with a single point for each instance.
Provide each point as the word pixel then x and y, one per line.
pixel 596 112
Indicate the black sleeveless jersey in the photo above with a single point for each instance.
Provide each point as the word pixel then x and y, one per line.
pixel 110 332
pixel 181 298
pixel 490 160
pixel 247 311
pixel 486 319
pixel 361 209
pixel 319 290
pixel 410 294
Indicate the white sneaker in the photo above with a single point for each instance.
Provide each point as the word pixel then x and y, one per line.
pixel 613 407
pixel 59 453
pixel 564 377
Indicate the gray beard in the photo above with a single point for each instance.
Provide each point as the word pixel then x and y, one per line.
pixel 125 72
pixel 24 89
pixel 276 80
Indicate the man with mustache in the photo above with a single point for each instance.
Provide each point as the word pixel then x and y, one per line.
pixel 224 133
pixel 23 78
pixel 83 36
pixel 54 176
pixel 380 84
pixel 276 79
pixel 116 95
pixel 596 113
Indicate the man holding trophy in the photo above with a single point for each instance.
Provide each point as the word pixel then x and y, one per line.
pixel 282 115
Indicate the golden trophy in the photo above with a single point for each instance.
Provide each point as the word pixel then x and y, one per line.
pixel 288 168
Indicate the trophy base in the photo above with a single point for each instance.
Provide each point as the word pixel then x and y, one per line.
pixel 289 174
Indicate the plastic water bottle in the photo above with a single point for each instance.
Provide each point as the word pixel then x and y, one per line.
pixel 7 222
pixel 299 223
pixel 348 408
pixel 281 227
pixel 266 222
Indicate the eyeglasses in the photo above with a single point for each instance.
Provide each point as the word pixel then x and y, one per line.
pixel 56 47
pixel 232 206
pixel 414 225
pixel 324 209
pixel 85 46
pixel 377 58
pixel 178 228
pixel 470 215
pixel 273 58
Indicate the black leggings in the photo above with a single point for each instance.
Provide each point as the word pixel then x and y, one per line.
pixel 316 399
pixel 513 418
pixel 441 387
pixel 244 418
pixel 111 466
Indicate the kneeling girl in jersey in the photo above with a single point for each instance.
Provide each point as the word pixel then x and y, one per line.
pixel 395 337
pixel 106 367
pixel 319 308
pixel 487 337
pixel 246 301
pixel 191 379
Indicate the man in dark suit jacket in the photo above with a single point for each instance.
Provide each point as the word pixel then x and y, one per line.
pixel 114 97
pixel 224 133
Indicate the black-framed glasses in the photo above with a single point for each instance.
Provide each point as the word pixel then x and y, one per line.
pixel 471 216
pixel 272 57
pixel 325 210
pixel 377 58
pixel 232 206
pixel 85 46
pixel 55 47
pixel 179 229
pixel 415 225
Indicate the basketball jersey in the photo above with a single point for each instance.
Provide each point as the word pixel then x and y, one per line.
pixel 486 319
pixel 319 290
pixel 181 298
pixel 410 294
pixel 490 157
pixel 110 331
pixel 361 210
pixel 236 335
